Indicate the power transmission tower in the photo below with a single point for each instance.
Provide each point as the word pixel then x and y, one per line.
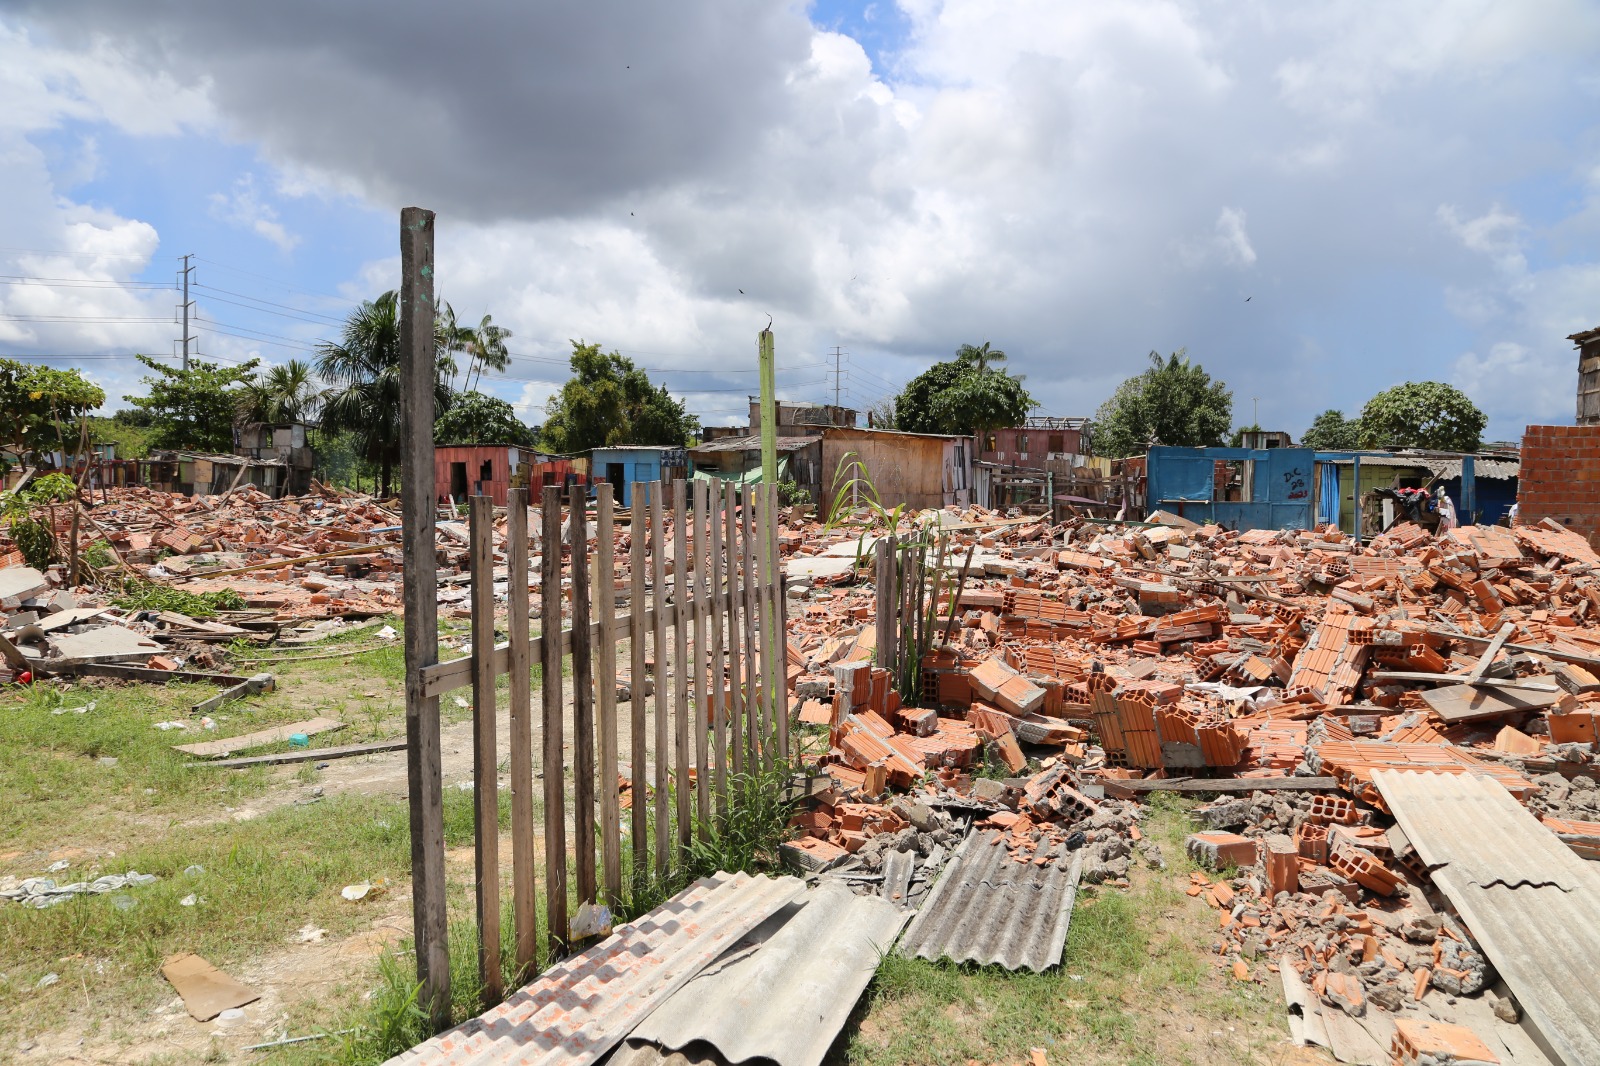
pixel 188 304
pixel 837 355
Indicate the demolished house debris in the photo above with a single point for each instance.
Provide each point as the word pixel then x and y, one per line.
pixel 1062 673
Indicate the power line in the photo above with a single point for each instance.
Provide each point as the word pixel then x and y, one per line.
pixel 273 281
pixel 83 318
pixel 320 320
pixel 79 283
pixel 76 255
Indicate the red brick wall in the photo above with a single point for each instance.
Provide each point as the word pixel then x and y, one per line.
pixel 1560 477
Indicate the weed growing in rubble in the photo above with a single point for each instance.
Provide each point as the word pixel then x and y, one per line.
pixel 141 595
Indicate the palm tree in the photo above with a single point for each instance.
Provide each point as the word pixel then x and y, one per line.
pixel 487 347
pixel 287 393
pixel 980 356
pixel 364 369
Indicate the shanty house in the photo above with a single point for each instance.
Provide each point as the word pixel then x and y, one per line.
pixel 801 419
pixel 1029 445
pixel 919 470
pixel 623 466
pixel 739 459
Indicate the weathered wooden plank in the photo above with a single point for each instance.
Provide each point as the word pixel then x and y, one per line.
pixel 755 713
pixel 485 759
pixel 424 793
pixel 524 893
pixel 583 697
pixel 702 661
pixel 1232 784
pixel 736 664
pixel 555 803
pixel 719 688
pixel 306 755
pixel 637 701
pixel 772 635
pixel 606 681
pixel 658 650
pixel 1470 703
pixel 887 605
pixel 683 671
pixel 211 749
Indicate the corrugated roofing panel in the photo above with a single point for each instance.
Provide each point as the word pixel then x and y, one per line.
pixel 786 1001
pixel 988 908
pixel 580 1009
pixel 1532 904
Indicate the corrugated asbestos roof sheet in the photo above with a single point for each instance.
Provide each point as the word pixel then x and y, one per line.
pixel 786 999
pixel 1532 904
pixel 989 909
pixel 582 1008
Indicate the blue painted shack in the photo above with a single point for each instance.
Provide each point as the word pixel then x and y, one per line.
pixel 623 466
pixel 1240 488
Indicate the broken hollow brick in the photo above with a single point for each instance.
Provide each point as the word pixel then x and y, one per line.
pixel 1217 851
pixel 1362 867
pixel 1326 810
pixel 1427 1043
pixel 1280 861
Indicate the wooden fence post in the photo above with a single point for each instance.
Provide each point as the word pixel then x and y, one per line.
pixel 658 600
pixel 638 701
pixel 736 662
pixel 682 673
pixel 755 714
pixel 485 762
pixel 610 811
pixel 719 686
pixel 703 680
pixel 555 804
pixel 419 574
pixel 583 696
pixel 524 894
pixel 778 641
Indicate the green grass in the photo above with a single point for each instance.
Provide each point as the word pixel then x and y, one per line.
pixel 1136 964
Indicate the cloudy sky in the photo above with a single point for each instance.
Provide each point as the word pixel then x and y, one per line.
pixel 1317 200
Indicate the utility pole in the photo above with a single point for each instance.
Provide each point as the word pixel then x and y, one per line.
pixel 187 304
pixel 836 374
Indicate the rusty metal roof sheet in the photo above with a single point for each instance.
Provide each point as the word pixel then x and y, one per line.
pixel 784 999
pixel 988 908
pixel 583 1007
pixel 1532 904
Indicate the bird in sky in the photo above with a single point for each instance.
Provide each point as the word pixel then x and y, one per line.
pixel 1247 299
pixel 741 292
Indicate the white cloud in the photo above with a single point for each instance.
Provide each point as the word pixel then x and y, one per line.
pixel 242 206
pixel 1231 234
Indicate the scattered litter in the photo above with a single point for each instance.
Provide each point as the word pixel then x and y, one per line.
pixel 206 990
pixel 41 892
pixel 364 890
pixel 47 980
pixel 592 919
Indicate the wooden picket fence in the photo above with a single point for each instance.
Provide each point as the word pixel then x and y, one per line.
pixel 704 625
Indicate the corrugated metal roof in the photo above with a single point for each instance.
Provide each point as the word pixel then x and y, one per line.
pixel 1482 466
pixel 752 443
pixel 1532 904
pixel 583 1007
pixel 786 1000
pixel 988 908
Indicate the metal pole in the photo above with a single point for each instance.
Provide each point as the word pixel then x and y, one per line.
pixel 187 269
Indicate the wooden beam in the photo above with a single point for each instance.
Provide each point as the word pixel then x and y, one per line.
pixel 658 651
pixel 606 681
pixel 583 695
pixel 1231 784
pixel 555 802
pixel 698 594
pixel 485 758
pixel 418 377
pixel 524 890
pixel 682 671
pixel 306 755
pixel 637 743
pixel 719 687
pixel 1490 652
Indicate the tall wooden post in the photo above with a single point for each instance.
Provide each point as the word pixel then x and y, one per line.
pixel 423 775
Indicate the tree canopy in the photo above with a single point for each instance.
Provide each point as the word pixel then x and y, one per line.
pixel 1422 414
pixel 1173 402
pixel 286 393
pixel 963 395
pixel 193 409
pixel 1331 431
pixel 363 366
pixel 474 418
pixel 608 401
pixel 35 398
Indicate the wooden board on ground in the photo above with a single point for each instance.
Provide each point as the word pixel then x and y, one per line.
pixel 307 755
pixel 1231 784
pixel 1470 703
pixel 211 749
pixel 206 990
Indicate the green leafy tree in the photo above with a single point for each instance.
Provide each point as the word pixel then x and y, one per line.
pixel 37 403
pixel 364 368
pixel 193 409
pixel 486 347
pixel 1173 402
pixel 608 401
pixel 963 395
pixel 979 356
pixel 474 418
pixel 1422 414
pixel 1331 431
pixel 286 393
